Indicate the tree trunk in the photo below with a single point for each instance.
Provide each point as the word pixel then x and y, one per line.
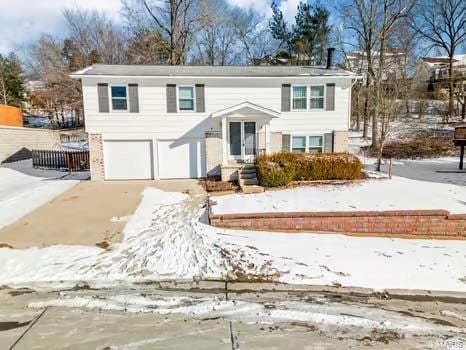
pixel 356 107
pixel 365 125
pixel 375 126
pixel 172 32
pixel 451 88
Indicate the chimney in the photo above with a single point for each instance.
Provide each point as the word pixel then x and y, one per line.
pixel 330 54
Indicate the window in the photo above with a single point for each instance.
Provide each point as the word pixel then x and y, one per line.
pixel 317 97
pixel 315 144
pixel 315 94
pixel 311 144
pixel 186 98
pixel 119 98
pixel 298 144
pixel 299 97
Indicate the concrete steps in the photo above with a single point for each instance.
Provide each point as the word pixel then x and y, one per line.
pixel 248 180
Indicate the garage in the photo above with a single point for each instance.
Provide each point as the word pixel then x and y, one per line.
pixel 128 159
pixel 181 158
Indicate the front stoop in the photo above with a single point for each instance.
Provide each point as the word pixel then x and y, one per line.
pixel 247 179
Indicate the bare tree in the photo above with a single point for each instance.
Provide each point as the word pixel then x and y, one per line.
pixel 217 40
pixel 373 22
pixel 177 21
pixel 253 34
pixel 146 46
pixel 360 18
pixel 442 23
pixel 390 109
pixel 93 33
pixel 392 14
pixel 48 63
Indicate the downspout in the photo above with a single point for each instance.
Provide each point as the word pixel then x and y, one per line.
pixel 353 82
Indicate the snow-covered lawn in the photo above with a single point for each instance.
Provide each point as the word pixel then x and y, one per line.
pixel 164 239
pixel 20 194
pixel 396 194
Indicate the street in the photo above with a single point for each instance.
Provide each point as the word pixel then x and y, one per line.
pixel 146 318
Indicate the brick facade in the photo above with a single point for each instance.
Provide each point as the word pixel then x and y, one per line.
pixel 413 222
pixel 96 156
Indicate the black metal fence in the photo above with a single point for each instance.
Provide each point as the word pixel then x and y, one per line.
pixel 62 160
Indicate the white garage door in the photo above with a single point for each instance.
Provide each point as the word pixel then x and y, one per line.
pixel 128 159
pixel 181 159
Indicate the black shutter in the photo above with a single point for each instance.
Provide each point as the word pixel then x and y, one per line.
pixel 286 143
pixel 286 97
pixel 171 98
pixel 330 97
pixel 200 98
pixel 328 142
pixel 102 94
pixel 133 98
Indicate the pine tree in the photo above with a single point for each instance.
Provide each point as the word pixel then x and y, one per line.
pixel 321 31
pixel 278 27
pixel 11 86
pixel 309 35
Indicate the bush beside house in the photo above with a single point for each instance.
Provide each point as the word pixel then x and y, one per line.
pixel 280 169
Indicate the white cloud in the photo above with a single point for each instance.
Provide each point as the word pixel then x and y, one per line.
pixel 261 6
pixel 28 19
pixel 288 7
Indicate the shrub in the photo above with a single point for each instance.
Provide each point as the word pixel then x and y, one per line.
pixel 217 186
pixel 279 169
pixel 427 144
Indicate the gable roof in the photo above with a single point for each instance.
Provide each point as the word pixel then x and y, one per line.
pixel 209 71
pixel 246 105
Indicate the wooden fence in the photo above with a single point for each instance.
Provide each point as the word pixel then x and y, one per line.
pixel 69 160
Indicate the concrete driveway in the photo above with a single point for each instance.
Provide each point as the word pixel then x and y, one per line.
pixel 441 170
pixel 89 213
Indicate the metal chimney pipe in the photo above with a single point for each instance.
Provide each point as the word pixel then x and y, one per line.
pixel 330 54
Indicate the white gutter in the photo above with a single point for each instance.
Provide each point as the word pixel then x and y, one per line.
pixel 80 76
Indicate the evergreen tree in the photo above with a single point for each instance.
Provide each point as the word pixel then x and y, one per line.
pixel 303 32
pixel 11 86
pixel 309 35
pixel 278 27
pixel 321 31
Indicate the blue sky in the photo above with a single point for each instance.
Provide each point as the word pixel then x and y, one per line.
pixel 27 19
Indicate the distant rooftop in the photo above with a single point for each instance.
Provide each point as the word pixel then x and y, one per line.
pixel 457 59
pixel 209 71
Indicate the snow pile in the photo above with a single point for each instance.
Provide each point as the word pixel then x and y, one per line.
pixel 396 194
pixel 323 314
pixel 165 240
pixel 20 194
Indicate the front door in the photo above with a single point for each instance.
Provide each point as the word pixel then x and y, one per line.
pixel 242 140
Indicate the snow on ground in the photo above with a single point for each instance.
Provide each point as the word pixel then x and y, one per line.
pixel 396 194
pixel 326 314
pixel 164 239
pixel 20 194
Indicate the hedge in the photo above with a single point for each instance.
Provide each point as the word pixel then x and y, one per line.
pixel 280 169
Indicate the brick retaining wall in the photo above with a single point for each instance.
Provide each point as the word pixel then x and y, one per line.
pixel 416 222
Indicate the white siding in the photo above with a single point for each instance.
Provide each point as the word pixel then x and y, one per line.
pixel 154 121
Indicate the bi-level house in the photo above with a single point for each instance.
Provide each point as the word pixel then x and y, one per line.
pixel 161 122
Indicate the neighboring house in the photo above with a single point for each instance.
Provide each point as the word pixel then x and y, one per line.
pixel 432 73
pixel 393 61
pixel 158 122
